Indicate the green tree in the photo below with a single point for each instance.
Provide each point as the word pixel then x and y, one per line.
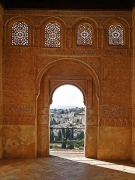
pixel 63 145
pixel 59 135
pixel 51 135
pixel 80 136
pixel 63 132
pixel 67 133
pixel 54 122
pixel 62 112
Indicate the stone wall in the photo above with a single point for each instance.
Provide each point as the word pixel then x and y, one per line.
pixel 1 93
pixel 111 66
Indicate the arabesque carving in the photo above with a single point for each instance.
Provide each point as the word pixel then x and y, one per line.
pixel 116 122
pixel 19 120
pixel 31 74
pixel 115 111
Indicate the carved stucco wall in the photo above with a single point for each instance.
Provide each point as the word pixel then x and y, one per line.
pixel 1 93
pixel 133 89
pixel 112 65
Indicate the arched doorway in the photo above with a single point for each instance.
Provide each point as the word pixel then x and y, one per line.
pixel 73 72
pixel 67 119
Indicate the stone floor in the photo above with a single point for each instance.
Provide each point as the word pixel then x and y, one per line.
pixel 65 165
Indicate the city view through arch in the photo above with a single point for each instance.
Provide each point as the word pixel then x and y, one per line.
pixel 67 119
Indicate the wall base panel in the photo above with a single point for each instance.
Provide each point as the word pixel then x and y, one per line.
pixel 114 143
pixel 19 141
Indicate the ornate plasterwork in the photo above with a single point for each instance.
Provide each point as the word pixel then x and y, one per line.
pixel 52 35
pixel 84 35
pixel 115 122
pixel 19 120
pixel 116 35
pixel 20 34
pixel 107 73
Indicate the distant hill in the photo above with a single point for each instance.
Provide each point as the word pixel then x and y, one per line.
pixel 64 107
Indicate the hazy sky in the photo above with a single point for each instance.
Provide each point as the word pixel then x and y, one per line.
pixel 67 95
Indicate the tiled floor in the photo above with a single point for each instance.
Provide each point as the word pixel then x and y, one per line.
pixel 65 166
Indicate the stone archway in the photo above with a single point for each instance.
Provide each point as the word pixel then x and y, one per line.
pixel 79 75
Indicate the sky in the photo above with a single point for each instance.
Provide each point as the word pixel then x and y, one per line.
pixel 68 95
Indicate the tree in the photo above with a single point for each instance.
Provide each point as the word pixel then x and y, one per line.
pixel 62 112
pixel 63 145
pixel 80 136
pixel 59 135
pixel 51 135
pixel 63 132
pixel 54 121
pixel 67 133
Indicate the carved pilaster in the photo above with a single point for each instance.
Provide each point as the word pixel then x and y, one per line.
pixel 100 37
pixel 36 36
pixel 69 37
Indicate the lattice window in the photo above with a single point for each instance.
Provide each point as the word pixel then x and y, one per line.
pixel 84 35
pixel 116 36
pixel 52 35
pixel 20 34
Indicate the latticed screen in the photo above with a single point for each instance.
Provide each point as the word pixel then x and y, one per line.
pixel 52 35
pixel 84 35
pixel 116 35
pixel 20 34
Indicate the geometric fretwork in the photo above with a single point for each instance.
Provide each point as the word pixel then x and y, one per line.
pixel 115 34
pixel 20 34
pixel 84 35
pixel 52 35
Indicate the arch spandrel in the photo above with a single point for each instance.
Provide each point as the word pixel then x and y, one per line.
pixel 56 64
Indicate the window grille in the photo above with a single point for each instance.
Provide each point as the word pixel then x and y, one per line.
pixel 52 35
pixel 20 34
pixel 116 35
pixel 84 35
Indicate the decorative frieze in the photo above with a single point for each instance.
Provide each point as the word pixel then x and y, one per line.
pixel 115 122
pixel 115 111
pixel 118 52
pixel 19 120
pixel 18 109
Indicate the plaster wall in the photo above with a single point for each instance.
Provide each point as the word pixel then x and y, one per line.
pixel 133 89
pixel 1 93
pixel 118 140
pixel 109 116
